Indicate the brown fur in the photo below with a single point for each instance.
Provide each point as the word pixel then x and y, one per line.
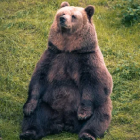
pixel 84 37
pixel 71 86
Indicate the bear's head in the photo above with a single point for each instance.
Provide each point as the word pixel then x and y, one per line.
pixel 72 26
pixel 72 19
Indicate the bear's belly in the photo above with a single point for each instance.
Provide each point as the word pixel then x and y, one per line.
pixel 63 97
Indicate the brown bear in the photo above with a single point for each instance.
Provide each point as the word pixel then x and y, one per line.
pixel 71 86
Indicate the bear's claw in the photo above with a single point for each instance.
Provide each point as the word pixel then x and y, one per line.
pixel 27 135
pixel 29 108
pixel 86 136
pixel 84 114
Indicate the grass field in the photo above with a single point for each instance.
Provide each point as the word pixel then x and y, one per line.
pixel 24 28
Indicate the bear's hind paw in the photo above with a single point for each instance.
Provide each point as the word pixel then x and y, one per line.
pixel 86 136
pixel 28 135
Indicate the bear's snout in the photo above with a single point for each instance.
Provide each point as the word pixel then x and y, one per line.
pixel 64 22
pixel 62 19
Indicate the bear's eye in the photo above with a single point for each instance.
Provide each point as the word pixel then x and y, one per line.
pixel 73 16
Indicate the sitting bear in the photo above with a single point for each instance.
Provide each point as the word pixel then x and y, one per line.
pixel 71 86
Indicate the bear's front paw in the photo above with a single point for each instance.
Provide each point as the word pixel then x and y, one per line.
pixel 84 113
pixel 29 107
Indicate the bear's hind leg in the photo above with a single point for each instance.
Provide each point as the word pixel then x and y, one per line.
pixel 71 123
pixel 42 122
pixel 98 123
pixel 31 126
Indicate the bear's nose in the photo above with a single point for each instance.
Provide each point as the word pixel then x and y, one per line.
pixel 62 19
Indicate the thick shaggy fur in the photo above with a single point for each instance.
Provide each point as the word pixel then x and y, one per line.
pixel 71 86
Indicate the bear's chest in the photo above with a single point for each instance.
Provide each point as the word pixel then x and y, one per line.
pixel 64 66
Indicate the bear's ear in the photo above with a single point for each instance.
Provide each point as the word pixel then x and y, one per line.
pixel 90 11
pixel 63 4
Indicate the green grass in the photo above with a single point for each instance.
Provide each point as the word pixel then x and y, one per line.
pixel 24 28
